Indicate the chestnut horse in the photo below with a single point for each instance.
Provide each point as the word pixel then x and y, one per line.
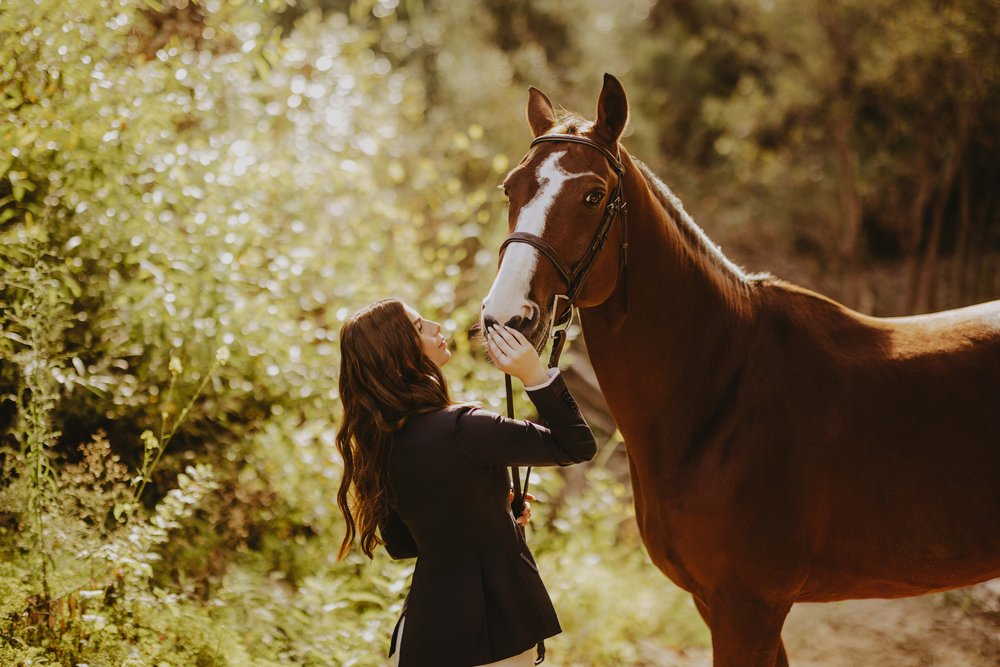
pixel 782 447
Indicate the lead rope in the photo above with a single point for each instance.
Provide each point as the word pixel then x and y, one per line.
pixel 517 506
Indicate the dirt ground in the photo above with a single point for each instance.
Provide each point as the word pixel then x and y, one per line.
pixel 957 629
pixel 945 629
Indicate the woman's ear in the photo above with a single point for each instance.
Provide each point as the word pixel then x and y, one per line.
pixel 541 116
pixel 612 111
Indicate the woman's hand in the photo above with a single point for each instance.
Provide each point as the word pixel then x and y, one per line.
pixel 526 512
pixel 513 354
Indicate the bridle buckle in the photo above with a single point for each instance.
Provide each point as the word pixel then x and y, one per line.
pixel 560 324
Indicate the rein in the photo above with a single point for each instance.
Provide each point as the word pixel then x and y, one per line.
pixel 573 276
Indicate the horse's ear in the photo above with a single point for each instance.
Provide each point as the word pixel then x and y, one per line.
pixel 612 110
pixel 541 116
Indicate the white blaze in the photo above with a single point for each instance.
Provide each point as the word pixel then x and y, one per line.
pixel 508 296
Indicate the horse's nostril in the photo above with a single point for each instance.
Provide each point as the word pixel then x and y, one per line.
pixel 489 321
pixel 515 322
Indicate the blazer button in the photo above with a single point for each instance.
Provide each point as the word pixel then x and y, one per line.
pixel 568 397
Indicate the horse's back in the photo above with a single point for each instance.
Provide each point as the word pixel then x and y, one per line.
pixel 896 423
pixel 957 350
pixel 922 382
pixel 984 316
pixel 972 332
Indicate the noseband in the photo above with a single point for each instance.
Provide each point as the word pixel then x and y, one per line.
pixel 576 275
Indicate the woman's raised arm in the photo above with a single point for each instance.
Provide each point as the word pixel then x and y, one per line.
pixel 492 439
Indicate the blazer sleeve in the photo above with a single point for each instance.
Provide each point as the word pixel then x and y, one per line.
pixel 492 439
pixel 396 537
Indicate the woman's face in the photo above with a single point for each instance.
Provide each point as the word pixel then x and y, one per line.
pixel 432 342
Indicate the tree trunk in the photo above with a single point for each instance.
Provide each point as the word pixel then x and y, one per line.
pixel 960 256
pixel 926 295
pixel 850 203
pixel 914 238
pixel 843 95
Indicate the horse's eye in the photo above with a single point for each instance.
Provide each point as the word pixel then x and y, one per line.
pixel 593 198
pixel 506 192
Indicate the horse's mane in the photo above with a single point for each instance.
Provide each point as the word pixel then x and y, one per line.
pixel 696 238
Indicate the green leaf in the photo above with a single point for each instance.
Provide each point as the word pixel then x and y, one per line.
pixel 28 137
pixel 72 285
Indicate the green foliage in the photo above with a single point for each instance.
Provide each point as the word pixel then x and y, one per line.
pixel 847 133
pixel 99 591
pixel 157 180
pixel 614 605
pixel 30 337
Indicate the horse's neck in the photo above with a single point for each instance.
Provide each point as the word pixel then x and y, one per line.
pixel 667 356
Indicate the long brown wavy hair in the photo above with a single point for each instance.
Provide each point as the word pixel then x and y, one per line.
pixel 385 378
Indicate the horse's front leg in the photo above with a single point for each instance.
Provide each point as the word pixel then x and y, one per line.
pixel 746 630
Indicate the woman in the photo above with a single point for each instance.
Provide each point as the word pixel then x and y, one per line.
pixel 426 477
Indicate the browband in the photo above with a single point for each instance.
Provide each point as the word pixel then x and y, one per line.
pixel 615 161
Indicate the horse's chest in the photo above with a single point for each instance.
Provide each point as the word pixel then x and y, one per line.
pixel 693 521
pixel 666 532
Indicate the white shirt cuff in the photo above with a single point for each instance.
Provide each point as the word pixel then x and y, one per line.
pixel 552 372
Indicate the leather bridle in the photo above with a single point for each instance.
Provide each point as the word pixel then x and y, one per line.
pixel 575 276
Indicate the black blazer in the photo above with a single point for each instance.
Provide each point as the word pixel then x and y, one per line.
pixel 476 596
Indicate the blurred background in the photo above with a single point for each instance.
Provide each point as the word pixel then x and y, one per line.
pixel 195 195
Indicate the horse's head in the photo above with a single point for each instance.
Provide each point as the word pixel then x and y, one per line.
pixel 562 204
